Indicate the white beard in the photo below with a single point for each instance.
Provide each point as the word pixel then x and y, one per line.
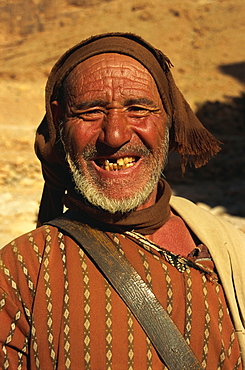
pixel 95 195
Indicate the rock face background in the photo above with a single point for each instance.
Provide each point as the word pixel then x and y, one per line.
pixel 204 40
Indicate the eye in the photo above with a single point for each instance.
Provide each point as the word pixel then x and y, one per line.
pixel 91 114
pixel 138 111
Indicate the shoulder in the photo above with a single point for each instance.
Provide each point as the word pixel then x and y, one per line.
pixel 199 218
pixel 225 242
pixel 22 259
pixel 26 252
pixel 227 247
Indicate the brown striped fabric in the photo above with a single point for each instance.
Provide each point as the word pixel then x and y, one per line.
pixel 53 297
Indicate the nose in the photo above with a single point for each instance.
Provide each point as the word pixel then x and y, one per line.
pixel 115 131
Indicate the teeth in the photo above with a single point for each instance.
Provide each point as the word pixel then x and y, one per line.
pixel 120 164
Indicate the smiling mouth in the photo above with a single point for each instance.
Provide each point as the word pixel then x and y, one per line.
pixel 116 164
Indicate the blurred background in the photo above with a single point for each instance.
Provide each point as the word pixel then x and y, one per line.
pixel 204 40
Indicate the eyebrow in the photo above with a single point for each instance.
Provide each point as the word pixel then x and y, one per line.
pixel 102 103
pixel 89 104
pixel 143 101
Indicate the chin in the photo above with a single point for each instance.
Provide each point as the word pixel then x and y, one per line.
pixel 122 194
pixel 113 201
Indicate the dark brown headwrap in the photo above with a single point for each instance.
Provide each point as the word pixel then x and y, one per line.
pixel 187 135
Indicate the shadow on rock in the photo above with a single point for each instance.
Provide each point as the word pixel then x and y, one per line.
pixel 222 181
pixel 236 70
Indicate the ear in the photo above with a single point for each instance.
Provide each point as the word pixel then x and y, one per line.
pixel 57 112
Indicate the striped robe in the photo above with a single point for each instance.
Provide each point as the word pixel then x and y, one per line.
pixel 57 311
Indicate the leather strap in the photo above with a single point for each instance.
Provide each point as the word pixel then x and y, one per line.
pixel 158 326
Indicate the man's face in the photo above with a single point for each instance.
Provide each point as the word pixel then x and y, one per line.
pixel 114 132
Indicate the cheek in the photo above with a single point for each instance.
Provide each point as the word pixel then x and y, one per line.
pixel 152 131
pixel 78 135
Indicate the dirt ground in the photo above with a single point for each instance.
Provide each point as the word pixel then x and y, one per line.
pixel 204 40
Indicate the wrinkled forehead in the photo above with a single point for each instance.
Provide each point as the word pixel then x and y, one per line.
pixel 104 60
pixel 109 66
pixel 156 63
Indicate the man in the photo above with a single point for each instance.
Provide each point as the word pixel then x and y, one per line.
pixel 113 112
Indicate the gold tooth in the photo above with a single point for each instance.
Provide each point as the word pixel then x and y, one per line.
pixel 120 161
pixel 115 167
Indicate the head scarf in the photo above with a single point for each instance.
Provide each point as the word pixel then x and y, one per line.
pixel 187 135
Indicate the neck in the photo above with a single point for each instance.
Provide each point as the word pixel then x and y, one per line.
pixel 151 200
pixel 174 236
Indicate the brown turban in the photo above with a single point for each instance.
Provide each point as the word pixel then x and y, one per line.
pixel 187 135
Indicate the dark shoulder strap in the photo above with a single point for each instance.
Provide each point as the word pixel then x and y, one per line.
pixel 158 326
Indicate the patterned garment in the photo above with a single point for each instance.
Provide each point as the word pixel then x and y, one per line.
pixel 58 312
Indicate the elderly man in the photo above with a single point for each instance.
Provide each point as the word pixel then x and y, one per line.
pixel 129 277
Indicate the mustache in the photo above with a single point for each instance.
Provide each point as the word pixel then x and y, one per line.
pixel 101 150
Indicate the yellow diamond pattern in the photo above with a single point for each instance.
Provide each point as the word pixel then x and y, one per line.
pixel 108 322
pixel 130 340
pixel 149 281
pixel 86 310
pixel 48 296
pixel 66 308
